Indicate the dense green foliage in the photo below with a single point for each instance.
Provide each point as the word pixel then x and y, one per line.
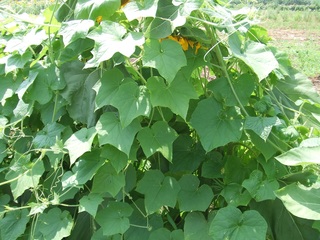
pixel 153 120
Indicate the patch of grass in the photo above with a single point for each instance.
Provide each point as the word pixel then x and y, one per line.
pixel 27 6
pixel 304 55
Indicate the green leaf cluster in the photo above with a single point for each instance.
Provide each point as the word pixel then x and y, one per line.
pixel 170 119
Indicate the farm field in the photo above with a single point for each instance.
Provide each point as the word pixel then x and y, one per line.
pixel 297 33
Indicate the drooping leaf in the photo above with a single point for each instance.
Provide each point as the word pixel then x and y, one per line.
pixel 255 55
pixel 110 131
pixel 91 9
pixel 108 180
pixel 48 135
pixel 215 126
pixel 259 188
pixel 196 227
pixel 135 10
pixel 158 190
pixel 158 138
pixel 16 61
pixel 231 223
pixel 176 96
pixel 262 126
pixel 75 29
pixel 79 143
pixel 117 158
pixel 114 218
pixel 111 37
pixel 166 56
pixel 8 87
pixel 193 197
pixel 187 6
pixel 301 201
pixel 243 87
pixel 90 203
pixel 22 42
pixel 235 195
pixel 307 153
pixel 54 225
pixel 131 101
pixel 187 156
pixel 164 233
pixel 26 173
pixel 14 224
pixel 83 170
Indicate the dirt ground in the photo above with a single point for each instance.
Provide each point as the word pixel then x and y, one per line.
pixel 298 35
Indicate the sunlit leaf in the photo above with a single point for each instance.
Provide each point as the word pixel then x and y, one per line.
pixel 166 56
pixel 136 10
pixel 176 96
pixel 93 8
pixel 75 29
pixel 111 37
pixel 79 143
pixel 301 201
pixel 90 203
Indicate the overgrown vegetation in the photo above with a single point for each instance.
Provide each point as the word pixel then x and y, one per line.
pixel 153 120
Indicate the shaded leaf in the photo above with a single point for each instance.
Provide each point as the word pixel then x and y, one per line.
pixel 158 190
pixel 48 135
pixel 196 227
pixel 75 29
pixel 16 61
pixel 230 223
pixel 54 225
pixel 193 197
pixel 14 224
pixel 114 218
pixel 110 131
pixel 158 138
pixel 91 9
pixel 235 196
pixel 215 126
pixel 90 203
pixel 108 180
pixel 262 126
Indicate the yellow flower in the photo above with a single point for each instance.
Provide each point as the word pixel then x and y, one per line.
pixel 99 19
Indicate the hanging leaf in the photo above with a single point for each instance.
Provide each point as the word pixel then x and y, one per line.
pixel 215 126
pixel 26 173
pixel 262 126
pixel 307 153
pixel 136 10
pixel 54 225
pixel 196 227
pixel 16 61
pixel 158 138
pixel 75 29
pixel 158 190
pixel 255 55
pixel 301 201
pixel 13 225
pixel 110 38
pixel 91 9
pixel 108 180
pixel 243 87
pixel 90 203
pixel 166 56
pixel 230 223
pixel 131 101
pixel 48 136
pixel 110 131
pixel 79 143
pixel 259 188
pixel 114 218
pixel 176 96
pixel 118 159
pixel 192 197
